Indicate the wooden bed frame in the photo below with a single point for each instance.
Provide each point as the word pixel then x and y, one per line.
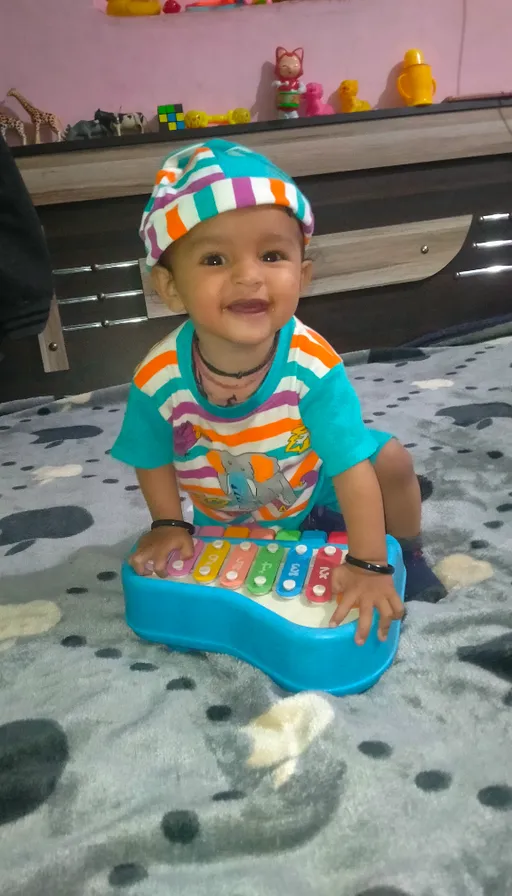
pixel 413 234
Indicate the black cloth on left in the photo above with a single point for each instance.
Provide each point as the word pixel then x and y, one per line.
pixel 26 286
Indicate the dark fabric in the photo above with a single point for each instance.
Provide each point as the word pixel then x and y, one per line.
pixel 25 269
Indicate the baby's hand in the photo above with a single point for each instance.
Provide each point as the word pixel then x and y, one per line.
pixel 151 554
pixel 365 590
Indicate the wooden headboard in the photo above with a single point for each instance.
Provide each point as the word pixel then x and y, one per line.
pixel 411 219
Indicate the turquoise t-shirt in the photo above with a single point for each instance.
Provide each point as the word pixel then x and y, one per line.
pixel 269 460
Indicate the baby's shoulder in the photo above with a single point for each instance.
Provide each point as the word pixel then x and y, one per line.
pixel 311 353
pixel 160 363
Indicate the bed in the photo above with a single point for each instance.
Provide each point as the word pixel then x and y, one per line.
pixel 127 766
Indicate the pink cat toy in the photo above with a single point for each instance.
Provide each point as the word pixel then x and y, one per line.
pixel 288 70
pixel 314 101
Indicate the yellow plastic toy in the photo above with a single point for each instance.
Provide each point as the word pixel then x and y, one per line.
pixel 133 8
pixel 416 85
pixel 347 92
pixel 195 119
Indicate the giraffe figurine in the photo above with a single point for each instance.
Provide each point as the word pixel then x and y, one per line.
pixel 9 123
pixel 37 116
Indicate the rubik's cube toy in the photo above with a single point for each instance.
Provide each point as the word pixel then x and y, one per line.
pixel 171 117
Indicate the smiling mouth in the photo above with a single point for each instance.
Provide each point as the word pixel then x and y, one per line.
pixel 249 306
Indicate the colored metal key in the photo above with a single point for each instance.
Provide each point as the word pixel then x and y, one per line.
pixel 319 587
pixel 264 570
pixel 210 562
pixel 238 564
pixel 288 535
pixel 314 537
pixel 262 534
pixel 294 571
pixel 237 532
pixel 178 568
pixel 337 538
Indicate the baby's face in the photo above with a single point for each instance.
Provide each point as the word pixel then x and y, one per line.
pixel 240 274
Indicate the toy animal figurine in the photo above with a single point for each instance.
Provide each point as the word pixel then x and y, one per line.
pixel 10 123
pixel 314 102
pixel 288 69
pixel 38 117
pixel 86 130
pixel 195 119
pixel 131 121
pixel 133 8
pixel 347 92
pixel 416 85
pixel 110 121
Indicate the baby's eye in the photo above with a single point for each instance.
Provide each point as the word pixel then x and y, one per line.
pixel 213 260
pixel 272 256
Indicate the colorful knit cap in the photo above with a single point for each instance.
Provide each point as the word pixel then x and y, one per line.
pixel 204 180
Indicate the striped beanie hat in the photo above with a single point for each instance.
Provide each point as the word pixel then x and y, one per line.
pixel 204 180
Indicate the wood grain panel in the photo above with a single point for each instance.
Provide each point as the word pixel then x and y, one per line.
pixel 375 257
pixel 51 343
pixel 303 151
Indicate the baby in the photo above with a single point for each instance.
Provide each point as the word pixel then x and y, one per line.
pixel 243 407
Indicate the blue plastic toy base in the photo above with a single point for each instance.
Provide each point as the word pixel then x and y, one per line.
pixel 298 658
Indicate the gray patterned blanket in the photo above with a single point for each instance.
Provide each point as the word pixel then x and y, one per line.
pixel 128 767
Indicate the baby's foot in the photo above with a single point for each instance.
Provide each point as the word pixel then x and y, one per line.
pixel 422 583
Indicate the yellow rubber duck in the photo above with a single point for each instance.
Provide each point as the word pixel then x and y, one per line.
pixel 133 8
pixel 347 92
pixel 416 85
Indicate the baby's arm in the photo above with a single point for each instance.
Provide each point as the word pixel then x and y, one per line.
pixel 360 498
pixel 160 490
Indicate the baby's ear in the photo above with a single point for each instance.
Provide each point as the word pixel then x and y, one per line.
pixel 164 285
pixel 306 275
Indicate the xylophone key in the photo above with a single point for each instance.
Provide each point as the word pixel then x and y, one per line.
pixel 210 531
pixel 294 571
pixel 318 589
pixel 314 537
pixel 261 533
pixel 337 538
pixel 210 562
pixel 178 568
pixel 238 565
pixel 237 532
pixel 264 570
pixel 288 535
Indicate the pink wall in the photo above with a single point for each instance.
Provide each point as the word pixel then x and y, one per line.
pixel 69 58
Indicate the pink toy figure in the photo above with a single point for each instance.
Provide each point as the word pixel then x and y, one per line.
pixel 288 70
pixel 314 101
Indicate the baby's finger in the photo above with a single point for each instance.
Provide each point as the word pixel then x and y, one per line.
pixel 365 622
pixel 138 561
pixel 342 610
pixel 397 607
pixel 385 619
pixel 160 560
pixel 186 547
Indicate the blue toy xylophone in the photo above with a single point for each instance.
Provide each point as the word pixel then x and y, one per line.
pixel 265 597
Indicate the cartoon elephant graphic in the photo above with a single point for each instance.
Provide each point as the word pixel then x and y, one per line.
pixel 253 480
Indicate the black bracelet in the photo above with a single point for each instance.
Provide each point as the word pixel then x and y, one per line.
pixel 387 570
pixel 180 524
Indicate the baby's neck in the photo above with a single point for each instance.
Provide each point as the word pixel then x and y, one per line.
pixel 230 357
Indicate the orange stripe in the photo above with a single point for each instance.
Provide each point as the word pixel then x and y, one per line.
pixel 170 175
pixel 309 463
pixel 154 366
pixel 306 345
pixel 316 336
pixel 266 515
pixel 278 191
pixel 294 510
pixel 202 489
pixel 220 517
pixel 175 226
pixel 256 434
